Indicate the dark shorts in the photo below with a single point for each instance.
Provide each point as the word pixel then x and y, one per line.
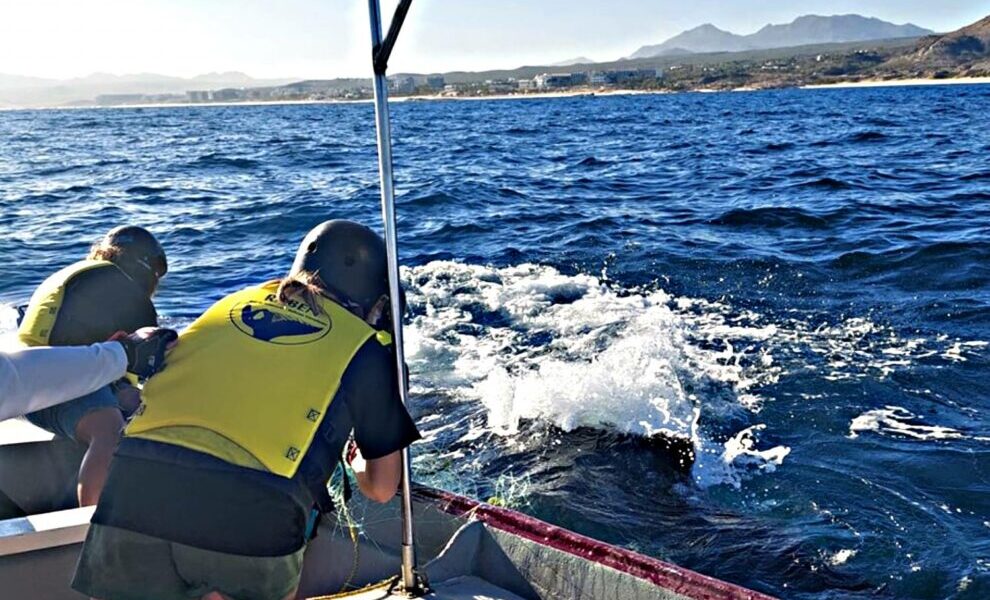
pixel 118 564
pixel 62 419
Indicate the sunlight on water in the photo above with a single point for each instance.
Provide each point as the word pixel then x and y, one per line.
pixel 795 281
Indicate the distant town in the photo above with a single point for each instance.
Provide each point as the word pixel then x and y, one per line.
pixel 402 86
pixel 701 59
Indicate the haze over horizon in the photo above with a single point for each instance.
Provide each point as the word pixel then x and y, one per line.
pixel 62 39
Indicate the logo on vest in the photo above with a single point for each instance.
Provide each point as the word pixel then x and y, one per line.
pixel 278 324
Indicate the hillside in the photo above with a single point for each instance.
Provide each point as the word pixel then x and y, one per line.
pixel 697 60
pixel 969 44
pixel 806 30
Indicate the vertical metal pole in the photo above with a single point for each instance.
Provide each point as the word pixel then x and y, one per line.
pixel 410 579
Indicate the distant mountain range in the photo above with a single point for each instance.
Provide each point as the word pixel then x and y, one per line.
pixel 806 30
pixel 17 90
pixel 581 60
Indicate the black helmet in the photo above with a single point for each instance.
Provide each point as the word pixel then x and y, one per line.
pixel 348 259
pixel 137 253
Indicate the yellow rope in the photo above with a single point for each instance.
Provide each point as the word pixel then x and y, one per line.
pixel 353 530
pixel 384 584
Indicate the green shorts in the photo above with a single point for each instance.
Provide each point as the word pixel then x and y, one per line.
pixel 117 564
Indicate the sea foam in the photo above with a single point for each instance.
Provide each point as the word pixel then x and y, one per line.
pixel 532 344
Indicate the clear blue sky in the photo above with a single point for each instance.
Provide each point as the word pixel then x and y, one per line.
pixel 329 38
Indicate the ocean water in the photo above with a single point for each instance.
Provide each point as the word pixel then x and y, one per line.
pixel 799 281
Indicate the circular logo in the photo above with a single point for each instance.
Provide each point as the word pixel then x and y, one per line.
pixel 275 323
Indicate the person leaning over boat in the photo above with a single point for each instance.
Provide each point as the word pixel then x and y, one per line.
pixel 32 379
pixel 212 490
pixel 90 302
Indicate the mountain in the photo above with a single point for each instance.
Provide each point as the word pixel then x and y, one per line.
pixel 231 78
pixel 581 60
pixel 813 29
pixel 969 44
pixel 806 30
pixel 705 38
pixel 9 82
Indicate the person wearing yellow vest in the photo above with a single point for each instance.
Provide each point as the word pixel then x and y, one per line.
pixel 89 302
pixel 214 485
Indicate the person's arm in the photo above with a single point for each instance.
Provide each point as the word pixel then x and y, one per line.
pixel 35 378
pixel 378 478
pixel 382 426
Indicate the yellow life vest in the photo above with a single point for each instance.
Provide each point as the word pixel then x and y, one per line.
pixel 251 379
pixel 42 312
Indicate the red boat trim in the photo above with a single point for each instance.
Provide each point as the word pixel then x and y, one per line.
pixel 676 579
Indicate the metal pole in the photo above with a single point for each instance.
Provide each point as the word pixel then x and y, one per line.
pixel 410 579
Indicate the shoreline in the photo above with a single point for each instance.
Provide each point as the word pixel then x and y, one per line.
pixel 877 83
pixel 584 92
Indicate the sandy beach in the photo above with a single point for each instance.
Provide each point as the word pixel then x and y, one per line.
pixel 872 83
pixel 869 83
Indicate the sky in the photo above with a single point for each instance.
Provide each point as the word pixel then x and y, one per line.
pixel 330 38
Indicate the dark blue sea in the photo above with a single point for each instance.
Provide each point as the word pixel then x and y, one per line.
pixel 799 281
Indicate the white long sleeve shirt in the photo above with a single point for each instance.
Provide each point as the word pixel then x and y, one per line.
pixel 35 378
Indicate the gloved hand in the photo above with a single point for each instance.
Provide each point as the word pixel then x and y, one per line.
pixel 145 349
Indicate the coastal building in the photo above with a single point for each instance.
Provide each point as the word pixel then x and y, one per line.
pixel 402 84
pixel 199 95
pixel 227 95
pixel 552 81
pixel 627 76
pixel 526 85
pixel 501 86
pixel 598 78
pixel 436 82
pixel 125 99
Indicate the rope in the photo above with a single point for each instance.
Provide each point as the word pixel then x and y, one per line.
pixel 383 584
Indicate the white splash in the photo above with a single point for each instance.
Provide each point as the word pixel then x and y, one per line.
pixel 841 557
pixel 531 343
pixel 738 455
pixel 528 342
pixel 898 421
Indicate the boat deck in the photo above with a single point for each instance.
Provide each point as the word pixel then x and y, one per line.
pixel 458 588
pixel 467 550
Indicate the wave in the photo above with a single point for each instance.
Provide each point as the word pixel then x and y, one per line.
pixel 899 422
pixel 591 161
pixel 771 147
pixel 218 160
pixel 826 183
pixel 148 190
pixel 771 217
pixel 867 136
pixel 427 200
pixel 49 171
pixel 531 344
pixel 447 230
pixel 931 259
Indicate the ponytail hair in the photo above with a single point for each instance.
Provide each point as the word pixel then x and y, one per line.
pixel 104 250
pixel 301 286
